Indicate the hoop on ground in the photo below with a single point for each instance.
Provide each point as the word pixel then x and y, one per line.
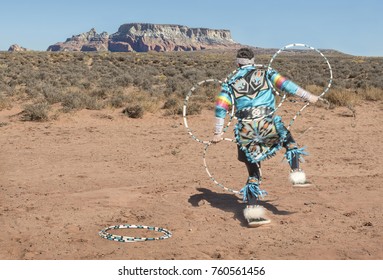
pixel 186 102
pixel 209 173
pixel 120 238
pixel 326 89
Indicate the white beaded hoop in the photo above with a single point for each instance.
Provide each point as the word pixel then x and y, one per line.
pixel 212 178
pixel 327 88
pixel 184 111
pixel 120 238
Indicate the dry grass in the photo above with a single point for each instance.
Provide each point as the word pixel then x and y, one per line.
pixel 36 112
pixel 372 94
pixel 75 81
pixel 345 97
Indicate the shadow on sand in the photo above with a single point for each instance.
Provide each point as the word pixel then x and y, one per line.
pixel 232 203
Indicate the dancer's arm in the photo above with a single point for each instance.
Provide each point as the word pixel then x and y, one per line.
pixel 284 84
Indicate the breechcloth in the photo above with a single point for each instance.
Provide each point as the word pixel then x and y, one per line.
pixel 288 144
pixel 260 139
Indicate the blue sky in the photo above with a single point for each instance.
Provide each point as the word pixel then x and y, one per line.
pixel 353 27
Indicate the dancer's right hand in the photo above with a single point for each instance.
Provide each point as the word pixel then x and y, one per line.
pixel 217 138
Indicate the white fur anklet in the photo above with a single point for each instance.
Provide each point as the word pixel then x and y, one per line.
pixel 298 177
pixel 255 216
pixel 251 213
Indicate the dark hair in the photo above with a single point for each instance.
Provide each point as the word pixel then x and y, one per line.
pixel 245 53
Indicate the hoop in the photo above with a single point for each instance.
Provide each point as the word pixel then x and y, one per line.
pixel 120 238
pixel 184 111
pixel 212 178
pixel 307 103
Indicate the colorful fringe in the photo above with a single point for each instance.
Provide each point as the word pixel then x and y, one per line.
pixel 252 189
pixel 282 131
pixel 298 153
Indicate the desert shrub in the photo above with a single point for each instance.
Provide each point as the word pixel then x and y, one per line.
pixel 93 104
pixel 124 80
pixel 146 84
pixel 118 99
pixel 100 93
pixel 174 84
pixel 36 112
pixel 170 71
pixel 134 111
pixel 52 94
pixel 153 71
pixel 137 80
pixel 342 97
pixel 149 102
pixel 4 103
pixel 190 74
pixel 170 103
pixel 73 101
pixel 32 92
pixel 193 109
pixel 372 94
pixel 86 84
pixel 78 101
pixel 172 106
pixel 98 76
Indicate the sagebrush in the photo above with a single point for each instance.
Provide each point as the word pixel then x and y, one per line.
pixel 159 81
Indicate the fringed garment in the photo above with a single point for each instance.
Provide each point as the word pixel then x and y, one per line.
pixel 260 139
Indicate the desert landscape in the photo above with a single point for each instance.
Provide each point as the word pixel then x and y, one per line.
pixel 91 140
pixel 64 180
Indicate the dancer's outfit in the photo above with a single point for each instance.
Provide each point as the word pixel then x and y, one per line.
pixel 259 133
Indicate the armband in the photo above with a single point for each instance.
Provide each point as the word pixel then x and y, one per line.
pixel 218 126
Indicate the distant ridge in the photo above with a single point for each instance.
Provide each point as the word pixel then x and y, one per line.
pixel 143 37
pixel 16 48
pixel 88 41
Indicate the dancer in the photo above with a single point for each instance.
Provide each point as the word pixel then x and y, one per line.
pixel 259 133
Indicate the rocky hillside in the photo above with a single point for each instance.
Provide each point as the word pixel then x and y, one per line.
pixel 89 41
pixel 143 37
pixel 17 48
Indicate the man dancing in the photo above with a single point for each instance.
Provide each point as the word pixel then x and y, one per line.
pixel 259 133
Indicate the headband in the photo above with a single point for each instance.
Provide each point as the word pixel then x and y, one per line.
pixel 245 61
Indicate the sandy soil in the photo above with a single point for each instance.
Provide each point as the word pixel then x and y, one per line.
pixel 63 181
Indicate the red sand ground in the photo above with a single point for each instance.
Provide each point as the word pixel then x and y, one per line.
pixel 62 181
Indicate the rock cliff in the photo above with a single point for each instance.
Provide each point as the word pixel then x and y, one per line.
pixel 16 48
pixel 89 41
pixel 143 37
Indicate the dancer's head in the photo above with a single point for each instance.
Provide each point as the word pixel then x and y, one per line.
pixel 245 56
